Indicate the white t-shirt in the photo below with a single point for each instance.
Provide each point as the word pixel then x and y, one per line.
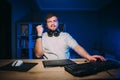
pixel 57 47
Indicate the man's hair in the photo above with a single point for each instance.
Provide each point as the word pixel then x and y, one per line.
pixel 50 15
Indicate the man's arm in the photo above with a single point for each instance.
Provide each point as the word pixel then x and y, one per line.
pixel 38 44
pixel 38 48
pixel 81 51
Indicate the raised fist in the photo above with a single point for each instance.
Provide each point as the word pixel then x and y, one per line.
pixel 39 29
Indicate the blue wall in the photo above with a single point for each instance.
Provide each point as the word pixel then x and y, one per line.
pixel 94 30
pixel 110 24
pixel 21 11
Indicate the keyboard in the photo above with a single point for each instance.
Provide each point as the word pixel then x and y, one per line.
pixel 91 68
pixel 54 63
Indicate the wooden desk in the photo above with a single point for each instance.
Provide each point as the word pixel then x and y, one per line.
pixel 38 72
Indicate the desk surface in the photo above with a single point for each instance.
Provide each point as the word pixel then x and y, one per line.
pixel 38 72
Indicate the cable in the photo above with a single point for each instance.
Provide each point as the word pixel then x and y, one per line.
pixel 51 53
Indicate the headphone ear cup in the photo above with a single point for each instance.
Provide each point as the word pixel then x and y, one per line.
pixel 50 33
pixel 56 33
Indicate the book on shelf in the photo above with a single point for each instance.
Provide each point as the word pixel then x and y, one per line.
pixel 24 29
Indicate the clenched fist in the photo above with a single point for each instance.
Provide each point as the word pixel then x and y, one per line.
pixel 39 29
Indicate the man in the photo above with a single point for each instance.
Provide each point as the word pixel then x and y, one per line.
pixel 55 44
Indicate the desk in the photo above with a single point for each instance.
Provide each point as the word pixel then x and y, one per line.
pixel 38 72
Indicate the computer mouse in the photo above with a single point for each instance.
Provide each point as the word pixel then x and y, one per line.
pixel 17 63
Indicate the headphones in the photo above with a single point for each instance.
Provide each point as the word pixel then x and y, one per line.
pixel 55 33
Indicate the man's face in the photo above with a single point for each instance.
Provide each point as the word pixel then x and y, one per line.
pixel 52 23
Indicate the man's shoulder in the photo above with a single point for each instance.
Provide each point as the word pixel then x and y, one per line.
pixel 65 33
pixel 45 33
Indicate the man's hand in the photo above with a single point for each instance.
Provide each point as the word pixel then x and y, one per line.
pixel 95 57
pixel 39 29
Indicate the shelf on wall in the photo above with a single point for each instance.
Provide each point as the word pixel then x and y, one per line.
pixel 26 35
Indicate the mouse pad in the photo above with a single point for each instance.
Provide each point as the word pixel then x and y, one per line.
pixel 23 68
